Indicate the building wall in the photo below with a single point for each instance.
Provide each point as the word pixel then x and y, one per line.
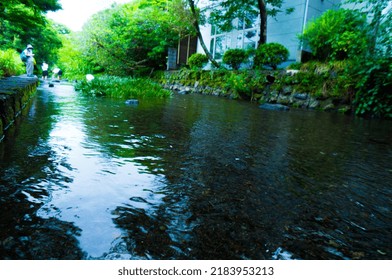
pixel 286 28
pixel 283 29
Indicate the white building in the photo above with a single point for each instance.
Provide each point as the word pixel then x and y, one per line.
pixel 283 29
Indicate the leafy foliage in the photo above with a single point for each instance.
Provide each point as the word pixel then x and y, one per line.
pixel 361 39
pixel 10 63
pixel 22 13
pixel 374 88
pixel 225 14
pixel 24 22
pixel 72 60
pixel 197 60
pixel 123 88
pixel 337 35
pixel 271 54
pixel 246 84
pixel 130 38
pixel 197 20
pixel 371 69
pixel 235 57
pixel 379 15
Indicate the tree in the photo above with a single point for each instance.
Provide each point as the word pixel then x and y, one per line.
pixel 197 60
pixel 182 20
pixel 130 37
pixel 71 56
pixel 234 58
pixel 379 13
pixel 23 22
pixel 227 11
pixel 373 70
pixel 196 24
pixel 24 14
pixel 38 7
pixel 271 54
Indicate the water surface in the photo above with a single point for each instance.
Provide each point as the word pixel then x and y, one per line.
pixel 192 177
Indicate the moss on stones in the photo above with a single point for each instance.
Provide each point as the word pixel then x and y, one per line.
pixel 15 92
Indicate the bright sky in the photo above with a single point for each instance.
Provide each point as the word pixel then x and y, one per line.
pixel 76 12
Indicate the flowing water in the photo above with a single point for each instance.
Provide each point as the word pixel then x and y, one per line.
pixel 192 177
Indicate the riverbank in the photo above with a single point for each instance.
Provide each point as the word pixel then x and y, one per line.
pixel 15 92
pixel 298 89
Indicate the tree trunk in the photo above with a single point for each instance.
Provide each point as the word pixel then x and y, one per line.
pixel 199 35
pixel 263 22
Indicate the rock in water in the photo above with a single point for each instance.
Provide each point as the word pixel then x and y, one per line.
pixel 274 107
pixel 132 102
pixel 183 92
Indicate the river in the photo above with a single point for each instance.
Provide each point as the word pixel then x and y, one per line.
pixel 192 177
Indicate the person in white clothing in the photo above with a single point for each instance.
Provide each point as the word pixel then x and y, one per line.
pixel 30 60
pixel 45 68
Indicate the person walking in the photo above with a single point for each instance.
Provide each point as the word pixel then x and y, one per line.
pixel 45 68
pixel 60 74
pixel 30 60
pixel 57 72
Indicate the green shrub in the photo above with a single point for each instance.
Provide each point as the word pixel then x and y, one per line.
pixel 236 83
pixel 10 63
pixel 271 54
pixel 374 88
pixel 295 66
pixel 234 58
pixel 197 60
pixel 124 88
pixel 337 35
pixel 246 84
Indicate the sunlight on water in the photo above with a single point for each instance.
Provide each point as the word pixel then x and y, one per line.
pixel 98 183
pixel 281 254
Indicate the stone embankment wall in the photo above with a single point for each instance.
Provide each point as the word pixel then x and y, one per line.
pixel 282 94
pixel 15 93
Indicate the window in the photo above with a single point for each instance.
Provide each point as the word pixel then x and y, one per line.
pixel 240 40
pixel 250 39
pixel 244 36
pixel 219 45
pixel 215 30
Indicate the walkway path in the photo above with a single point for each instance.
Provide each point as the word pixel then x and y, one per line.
pixel 15 84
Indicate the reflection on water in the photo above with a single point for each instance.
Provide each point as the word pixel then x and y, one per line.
pixel 192 177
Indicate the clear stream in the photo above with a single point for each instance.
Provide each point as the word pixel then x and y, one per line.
pixel 192 177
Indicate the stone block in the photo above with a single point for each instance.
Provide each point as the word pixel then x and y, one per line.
pixel 15 93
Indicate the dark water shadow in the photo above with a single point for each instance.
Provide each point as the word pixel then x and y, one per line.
pixel 29 173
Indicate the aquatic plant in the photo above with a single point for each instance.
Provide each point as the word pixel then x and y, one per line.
pixel 124 88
